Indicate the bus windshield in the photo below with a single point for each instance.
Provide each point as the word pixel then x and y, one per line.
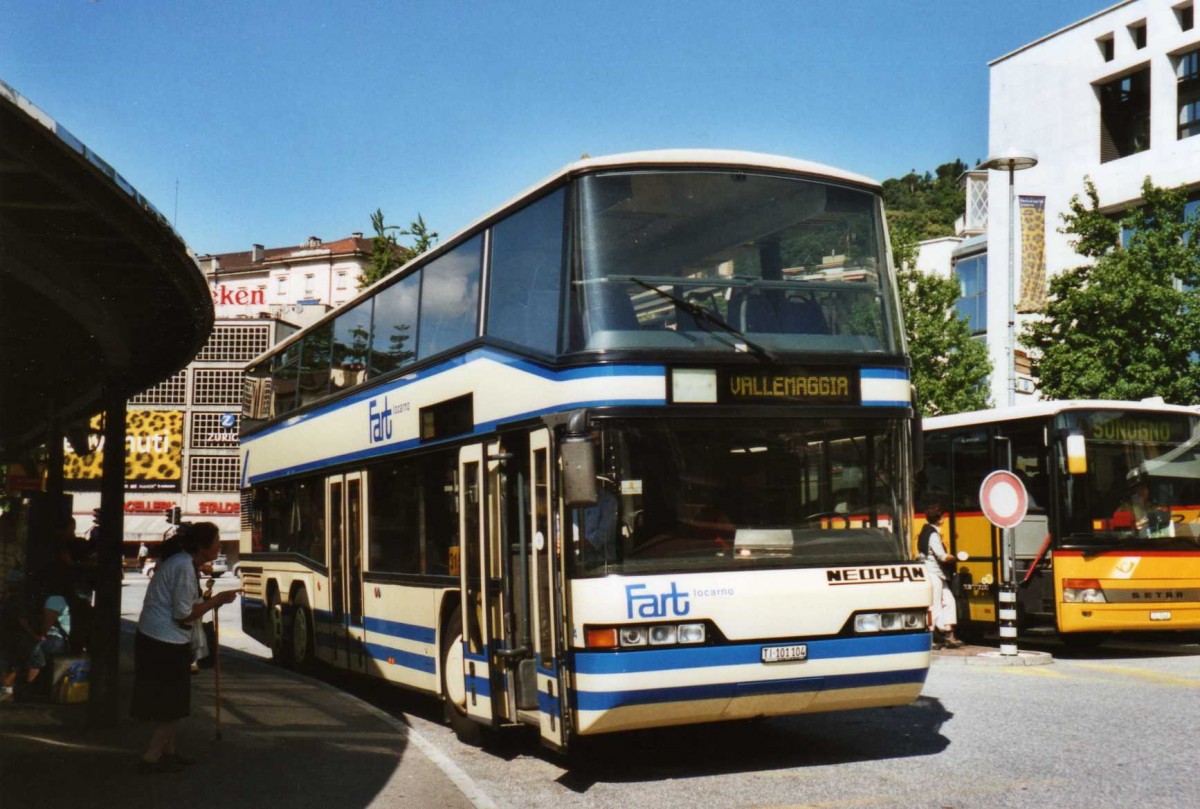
pixel 1142 485
pixel 699 495
pixel 718 260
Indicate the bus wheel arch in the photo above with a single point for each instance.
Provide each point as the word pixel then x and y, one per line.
pixel 454 694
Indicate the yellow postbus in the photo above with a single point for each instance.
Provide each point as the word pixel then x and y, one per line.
pixel 1111 538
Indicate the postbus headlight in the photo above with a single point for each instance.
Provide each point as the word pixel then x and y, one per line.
pixel 866 622
pixel 691 633
pixel 1083 591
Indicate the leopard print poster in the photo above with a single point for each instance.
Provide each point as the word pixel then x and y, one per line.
pixel 153 448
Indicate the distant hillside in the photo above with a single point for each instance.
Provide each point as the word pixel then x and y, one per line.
pixel 925 205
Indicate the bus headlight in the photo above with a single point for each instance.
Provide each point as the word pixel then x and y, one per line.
pixel 1083 591
pixel 633 636
pixel 907 621
pixel 644 635
pixel 662 635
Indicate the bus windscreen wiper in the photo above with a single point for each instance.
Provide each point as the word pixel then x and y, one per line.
pixel 706 316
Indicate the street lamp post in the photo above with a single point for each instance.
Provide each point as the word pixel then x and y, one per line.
pixel 1011 161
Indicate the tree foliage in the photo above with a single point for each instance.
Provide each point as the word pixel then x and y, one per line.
pixel 387 253
pixel 926 205
pixel 1127 325
pixel 950 369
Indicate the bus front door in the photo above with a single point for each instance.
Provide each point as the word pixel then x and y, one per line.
pixel 344 505
pixel 545 591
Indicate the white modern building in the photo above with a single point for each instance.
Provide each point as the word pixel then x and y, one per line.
pixel 1114 97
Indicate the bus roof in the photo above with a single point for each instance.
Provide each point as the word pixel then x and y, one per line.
pixel 1047 409
pixel 699 158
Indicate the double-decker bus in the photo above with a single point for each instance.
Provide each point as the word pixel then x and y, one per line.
pixel 1111 538
pixel 631 451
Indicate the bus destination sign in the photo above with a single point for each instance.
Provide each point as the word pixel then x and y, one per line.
pixel 789 386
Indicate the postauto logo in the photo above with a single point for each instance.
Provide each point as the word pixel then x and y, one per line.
pixel 673 603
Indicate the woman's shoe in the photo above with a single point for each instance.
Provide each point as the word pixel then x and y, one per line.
pixel 953 642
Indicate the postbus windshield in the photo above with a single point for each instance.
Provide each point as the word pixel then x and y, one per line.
pixel 715 260
pixel 1142 485
pixel 719 495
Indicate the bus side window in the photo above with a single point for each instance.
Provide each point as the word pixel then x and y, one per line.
pixel 933 480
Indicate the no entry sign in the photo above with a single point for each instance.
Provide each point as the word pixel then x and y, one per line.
pixel 1003 499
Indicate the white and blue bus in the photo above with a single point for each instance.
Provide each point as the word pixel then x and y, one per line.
pixel 633 450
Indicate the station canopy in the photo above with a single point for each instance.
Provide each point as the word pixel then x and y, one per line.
pixel 97 292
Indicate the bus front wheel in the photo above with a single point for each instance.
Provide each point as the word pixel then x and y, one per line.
pixel 302 632
pixel 454 687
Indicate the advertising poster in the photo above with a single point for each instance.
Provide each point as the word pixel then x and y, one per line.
pixel 153 452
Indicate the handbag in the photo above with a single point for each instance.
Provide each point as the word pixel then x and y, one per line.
pixel 204 643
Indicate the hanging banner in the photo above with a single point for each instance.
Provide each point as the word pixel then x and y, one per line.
pixel 1033 255
pixel 153 452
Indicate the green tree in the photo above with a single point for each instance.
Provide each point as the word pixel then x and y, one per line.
pixel 926 204
pixel 387 254
pixel 1127 325
pixel 950 368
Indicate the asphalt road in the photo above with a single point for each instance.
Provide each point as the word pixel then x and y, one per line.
pixel 1112 727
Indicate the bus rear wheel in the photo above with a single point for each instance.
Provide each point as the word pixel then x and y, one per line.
pixel 454 689
pixel 276 631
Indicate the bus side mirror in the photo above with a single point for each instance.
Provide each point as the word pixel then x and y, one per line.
pixel 579 471
pixel 1076 453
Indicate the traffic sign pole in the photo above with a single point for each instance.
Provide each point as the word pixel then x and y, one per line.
pixel 1004 501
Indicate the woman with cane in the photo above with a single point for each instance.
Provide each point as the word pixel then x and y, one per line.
pixel 162 687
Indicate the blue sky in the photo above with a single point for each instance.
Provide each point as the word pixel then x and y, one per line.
pixel 281 120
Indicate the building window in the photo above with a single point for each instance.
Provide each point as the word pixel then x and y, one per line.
pixel 281 285
pixel 1107 49
pixel 341 279
pixel 172 391
pixel 236 343
pixel 308 284
pixel 972 281
pixel 218 387
pixel 214 430
pixel 1137 32
pixel 1125 115
pixel 1187 73
pixel 1184 14
pixel 214 473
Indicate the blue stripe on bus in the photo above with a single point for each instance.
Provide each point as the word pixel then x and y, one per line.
pixel 396 629
pixel 479 430
pixel 563 375
pixel 547 704
pixel 884 373
pixel 607 700
pixel 742 654
pixel 399 657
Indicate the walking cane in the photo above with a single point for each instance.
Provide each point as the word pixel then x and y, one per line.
pixel 217 663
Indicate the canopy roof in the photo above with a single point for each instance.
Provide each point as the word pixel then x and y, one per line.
pixel 96 290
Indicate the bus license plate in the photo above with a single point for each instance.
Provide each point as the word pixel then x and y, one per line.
pixel 781 654
pixel 1160 615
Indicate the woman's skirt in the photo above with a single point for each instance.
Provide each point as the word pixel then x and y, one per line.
pixel 162 679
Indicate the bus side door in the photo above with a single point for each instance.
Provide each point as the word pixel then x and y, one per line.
pixel 344 507
pixel 545 589
pixel 476 586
